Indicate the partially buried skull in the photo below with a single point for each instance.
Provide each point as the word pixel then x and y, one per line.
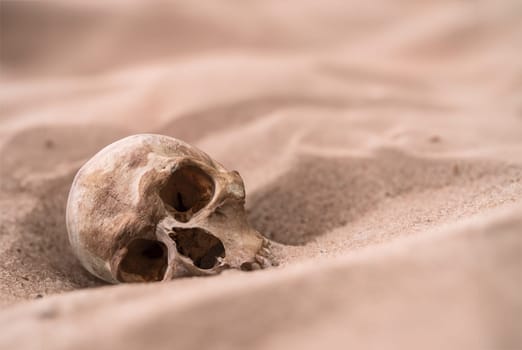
pixel 153 208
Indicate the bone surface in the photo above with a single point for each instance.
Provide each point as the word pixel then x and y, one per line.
pixel 153 208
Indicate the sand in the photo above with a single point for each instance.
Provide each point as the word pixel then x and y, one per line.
pixel 380 144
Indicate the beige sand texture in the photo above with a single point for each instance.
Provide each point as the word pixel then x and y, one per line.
pixel 380 143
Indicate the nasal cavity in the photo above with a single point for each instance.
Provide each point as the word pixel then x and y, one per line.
pixel 188 190
pixel 203 248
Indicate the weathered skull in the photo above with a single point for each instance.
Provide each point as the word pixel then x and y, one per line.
pixel 152 208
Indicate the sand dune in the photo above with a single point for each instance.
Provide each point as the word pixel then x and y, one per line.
pixel 380 145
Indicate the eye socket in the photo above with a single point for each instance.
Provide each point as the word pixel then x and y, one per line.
pixel 188 190
pixel 145 261
pixel 200 246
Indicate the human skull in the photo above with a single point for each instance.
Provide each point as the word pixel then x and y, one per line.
pixel 153 208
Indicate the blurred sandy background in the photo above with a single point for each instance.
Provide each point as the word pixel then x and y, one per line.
pixel 380 143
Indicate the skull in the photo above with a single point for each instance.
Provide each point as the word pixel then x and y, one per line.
pixel 153 208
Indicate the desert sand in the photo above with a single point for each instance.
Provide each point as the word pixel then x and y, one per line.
pixel 380 144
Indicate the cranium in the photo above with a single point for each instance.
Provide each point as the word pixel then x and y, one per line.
pixel 153 208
